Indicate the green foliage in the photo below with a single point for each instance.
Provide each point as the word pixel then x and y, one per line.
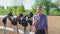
pixel 4 11
pixel 22 9
pixel 46 4
pixel 27 12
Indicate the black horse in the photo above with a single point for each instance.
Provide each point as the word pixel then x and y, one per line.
pixel 12 19
pixel 30 16
pixel 24 21
pixel 4 20
pixel 19 18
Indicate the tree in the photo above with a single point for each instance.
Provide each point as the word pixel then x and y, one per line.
pixel 57 5
pixel 57 2
pixel 22 9
pixel 11 9
pixel 45 3
pixel 2 7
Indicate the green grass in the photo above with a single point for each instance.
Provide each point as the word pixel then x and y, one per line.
pixel 6 11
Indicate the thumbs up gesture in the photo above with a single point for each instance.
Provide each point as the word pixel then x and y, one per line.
pixel 36 18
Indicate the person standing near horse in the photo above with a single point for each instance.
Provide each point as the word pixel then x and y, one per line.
pixel 40 22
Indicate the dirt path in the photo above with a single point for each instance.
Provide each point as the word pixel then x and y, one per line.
pixel 53 24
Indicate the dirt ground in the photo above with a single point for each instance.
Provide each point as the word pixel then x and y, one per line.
pixel 53 25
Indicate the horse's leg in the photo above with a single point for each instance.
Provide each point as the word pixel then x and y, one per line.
pixel 4 28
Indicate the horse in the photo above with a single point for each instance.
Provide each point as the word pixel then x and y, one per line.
pixel 30 16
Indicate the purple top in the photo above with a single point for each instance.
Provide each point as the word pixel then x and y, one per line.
pixel 41 21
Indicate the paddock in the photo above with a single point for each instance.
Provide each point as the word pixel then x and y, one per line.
pixel 53 26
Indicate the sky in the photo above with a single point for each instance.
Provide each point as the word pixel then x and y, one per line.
pixel 27 3
pixel 53 0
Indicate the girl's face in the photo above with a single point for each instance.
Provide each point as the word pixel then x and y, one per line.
pixel 39 9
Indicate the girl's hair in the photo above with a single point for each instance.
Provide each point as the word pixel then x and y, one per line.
pixel 39 6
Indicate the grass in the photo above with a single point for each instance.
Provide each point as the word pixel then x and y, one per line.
pixel 6 11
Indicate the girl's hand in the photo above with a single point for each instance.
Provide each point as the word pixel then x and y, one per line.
pixel 37 17
pixel 46 30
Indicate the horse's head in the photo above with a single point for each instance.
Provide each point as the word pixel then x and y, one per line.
pixel 21 15
pixel 19 18
pixel 31 14
pixel 10 14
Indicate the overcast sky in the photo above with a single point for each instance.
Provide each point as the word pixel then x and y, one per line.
pixel 27 3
